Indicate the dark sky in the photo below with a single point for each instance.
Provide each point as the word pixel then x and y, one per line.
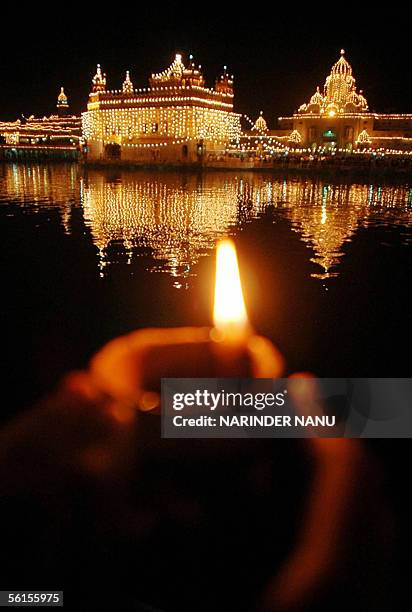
pixel 278 56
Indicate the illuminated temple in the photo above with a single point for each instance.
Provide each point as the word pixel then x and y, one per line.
pixel 177 119
pixel 61 130
pixel 338 117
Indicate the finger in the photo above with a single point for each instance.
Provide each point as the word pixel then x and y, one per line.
pixel 267 361
pixel 132 364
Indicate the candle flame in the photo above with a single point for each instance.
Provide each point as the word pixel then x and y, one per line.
pixel 229 314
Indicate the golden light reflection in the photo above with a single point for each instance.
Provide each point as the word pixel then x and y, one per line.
pixel 229 313
pixel 42 186
pixel 175 219
pixel 180 220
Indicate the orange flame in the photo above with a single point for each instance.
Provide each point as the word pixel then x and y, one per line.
pixel 230 316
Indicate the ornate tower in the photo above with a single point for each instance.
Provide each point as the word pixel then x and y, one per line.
pixel 62 103
pixel 99 81
pixel 178 75
pixel 127 84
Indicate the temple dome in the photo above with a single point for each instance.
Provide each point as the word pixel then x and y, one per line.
pixel 178 74
pixel 173 72
pixel 339 93
pixel 260 124
pixel 342 66
pixel 62 98
pixel 62 103
pixel 317 98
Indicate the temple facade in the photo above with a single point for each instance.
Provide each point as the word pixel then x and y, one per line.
pixel 177 119
pixel 338 118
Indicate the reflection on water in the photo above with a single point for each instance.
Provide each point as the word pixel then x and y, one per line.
pixel 40 187
pixel 178 218
pixel 327 216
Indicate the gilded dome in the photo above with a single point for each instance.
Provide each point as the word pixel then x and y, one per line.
pixel 339 94
pixel 317 98
pixel 62 96
pixel 260 124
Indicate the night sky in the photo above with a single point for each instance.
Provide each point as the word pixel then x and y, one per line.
pixel 278 56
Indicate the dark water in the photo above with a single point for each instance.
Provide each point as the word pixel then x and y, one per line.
pixel 326 265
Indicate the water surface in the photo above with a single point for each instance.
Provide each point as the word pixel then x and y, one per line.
pixel 325 263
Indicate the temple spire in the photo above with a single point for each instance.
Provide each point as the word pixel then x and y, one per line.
pixel 99 80
pixel 127 84
pixel 62 103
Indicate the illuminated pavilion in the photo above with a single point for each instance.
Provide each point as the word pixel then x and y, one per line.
pixel 338 117
pixel 177 119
